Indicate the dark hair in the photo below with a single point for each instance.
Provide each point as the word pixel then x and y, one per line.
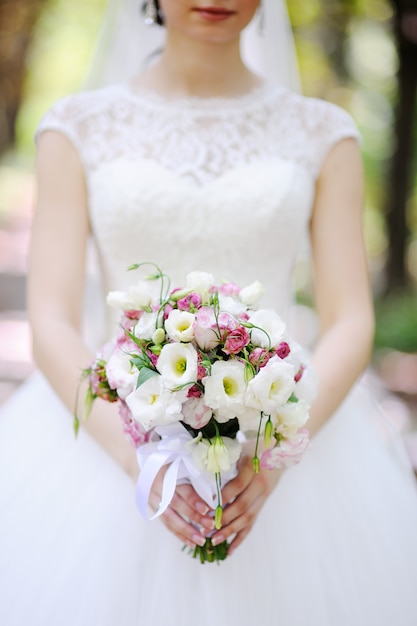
pixel 159 18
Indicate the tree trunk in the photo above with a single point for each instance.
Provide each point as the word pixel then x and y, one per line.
pixel 17 21
pixel 400 178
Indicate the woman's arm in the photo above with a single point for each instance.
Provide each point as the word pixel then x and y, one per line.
pixel 343 296
pixel 344 307
pixel 56 286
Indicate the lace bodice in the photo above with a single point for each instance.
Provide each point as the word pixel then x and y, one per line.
pixel 220 185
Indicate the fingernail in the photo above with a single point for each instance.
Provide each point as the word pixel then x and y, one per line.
pixel 208 523
pixel 202 508
pixel 199 540
pixel 217 539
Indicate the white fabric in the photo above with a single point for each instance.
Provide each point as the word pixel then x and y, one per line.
pixel 336 543
pixel 126 45
pixel 193 159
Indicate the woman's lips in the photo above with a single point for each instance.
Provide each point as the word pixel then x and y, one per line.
pixel 214 14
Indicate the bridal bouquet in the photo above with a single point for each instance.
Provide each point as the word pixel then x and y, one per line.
pixel 195 370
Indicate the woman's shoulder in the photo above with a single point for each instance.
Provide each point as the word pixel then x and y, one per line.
pixel 314 127
pixel 73 112
pixel 85 119
pixel 315 114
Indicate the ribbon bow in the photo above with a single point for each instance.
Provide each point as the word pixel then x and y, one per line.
pixel 172 449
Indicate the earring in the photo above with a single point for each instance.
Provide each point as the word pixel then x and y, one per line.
pixel 261 20
pixel 151 13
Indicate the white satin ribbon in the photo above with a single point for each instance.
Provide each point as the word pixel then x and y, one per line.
pixel 172 450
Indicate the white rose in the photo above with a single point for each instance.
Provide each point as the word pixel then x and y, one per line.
pixel 178 364
pixel 140 295
pixel 306 388
pixel 145 326
pixel 151 405
pixel 224 389
pixel 179 325
pixel 217 456
pixel 252 293
pixel 291 417
pixel 231 305
pixel 120 373
pixel 249 420
pixel 118 300
pixel 271 387
pixel 297 354
pixel 137 297
pixel 272 325
pixel 199 282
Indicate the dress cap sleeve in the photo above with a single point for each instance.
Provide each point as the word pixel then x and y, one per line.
pixel 63 117
pixel 333 124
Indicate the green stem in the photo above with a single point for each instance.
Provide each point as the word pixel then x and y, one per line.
pixel 255 460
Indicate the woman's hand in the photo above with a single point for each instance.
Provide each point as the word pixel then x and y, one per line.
pixel 186 516
pixel 190 519
pixel 243 498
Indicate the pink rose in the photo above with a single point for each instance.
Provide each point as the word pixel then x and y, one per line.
pixel 99 383
pixel 230 289
pixel 131 428
pixel 124 341
pixel 259 357
pixel 195 413
pixel 167 310
pixel 201 370
pixel 190 302
pixel 283 350
pixel 227 321
pixel 300 373
pixel 133 314
pixel 194 391
pixel 206 332
pixel 288 452
pixel 236 340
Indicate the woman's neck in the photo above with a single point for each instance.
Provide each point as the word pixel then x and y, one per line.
pixel 190 68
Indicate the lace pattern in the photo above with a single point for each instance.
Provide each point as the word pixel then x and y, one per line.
pixel 199 139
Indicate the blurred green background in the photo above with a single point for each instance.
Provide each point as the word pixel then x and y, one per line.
pixel 359 54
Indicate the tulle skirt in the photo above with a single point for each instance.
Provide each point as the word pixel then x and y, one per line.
pixel 335 544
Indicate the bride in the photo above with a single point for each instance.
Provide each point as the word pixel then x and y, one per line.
pixel 200 162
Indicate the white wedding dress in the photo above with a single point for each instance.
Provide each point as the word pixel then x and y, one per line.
pixel 224 186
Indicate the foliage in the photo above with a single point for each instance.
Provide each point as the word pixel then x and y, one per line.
pixel 62 45
pixel 396 322
pixel 346 55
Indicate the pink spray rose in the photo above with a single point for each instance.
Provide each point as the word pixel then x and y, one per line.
pixel 131 428
pixel 259 357
pixel 283 350
pixel 299 374
pixel 235 340
pixel 190 302
pixel 99 383
pixel 194 392
pixel 288 452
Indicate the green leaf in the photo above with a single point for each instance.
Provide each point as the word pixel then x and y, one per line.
pixel 140 361
pixel 76 425
pixel 88 402
pixel 249 372
pixel 293 398
pixel 145 374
